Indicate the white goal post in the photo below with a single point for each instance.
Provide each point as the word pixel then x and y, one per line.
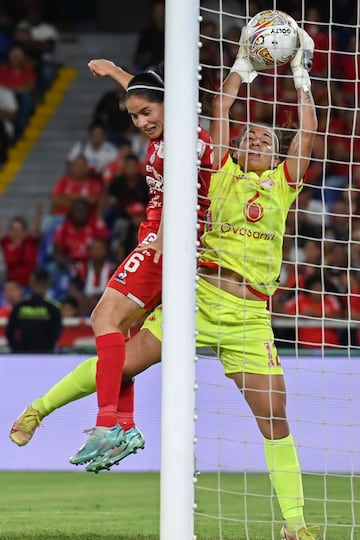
pixel 179 270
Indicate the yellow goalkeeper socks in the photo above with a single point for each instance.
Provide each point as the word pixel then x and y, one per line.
pixel 80 382
pixel 285 475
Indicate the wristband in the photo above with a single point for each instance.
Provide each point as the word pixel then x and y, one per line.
pixel 301 78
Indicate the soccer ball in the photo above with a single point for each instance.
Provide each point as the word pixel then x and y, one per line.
pixel 271 39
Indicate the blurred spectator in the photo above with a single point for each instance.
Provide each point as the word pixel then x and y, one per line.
pixel 350 299
pixel 348 69
pixel 98 151
pixel 231 44
pixel 70 307
pixel 298 268
pixel 311 216
pixel 18 74
pixel 349 280
pixel 230 10
pixel 72 242
pixel 20 247
pixel 137 213
pixel 151 41
pixel 139 141
pixel 336 261
pixel 77 184
pixel 44 41
pixel 111 112
pixel 4 143
pixel 89 279
pixel 128 188
pixel 116 167
pixel 23 38
pixel 325 42
pixel 34 324
pixel 12 293
pixel 313 302
pixel 8 111
pixel 209 53
pixel 124 234
pixel 73 237
pixel 6 33
pixel 355 249
pixel 339 218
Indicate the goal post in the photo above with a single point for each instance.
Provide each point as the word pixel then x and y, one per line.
pixel 179 270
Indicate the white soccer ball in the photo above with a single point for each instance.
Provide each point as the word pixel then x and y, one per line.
pixel 271 39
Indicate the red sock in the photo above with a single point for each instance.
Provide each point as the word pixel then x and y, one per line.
pixel 125 408
pixel 111 359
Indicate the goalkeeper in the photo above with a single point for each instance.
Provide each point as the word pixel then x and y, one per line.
pixel 240 263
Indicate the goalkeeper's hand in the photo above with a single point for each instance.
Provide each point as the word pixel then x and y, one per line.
pixel 302 62
pixel 242 65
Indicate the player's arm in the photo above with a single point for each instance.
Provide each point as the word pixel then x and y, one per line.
pixel 301 146
pixel 241 72
pixel 106 68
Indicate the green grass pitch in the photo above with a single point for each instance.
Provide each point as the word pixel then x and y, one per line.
pixel 125 506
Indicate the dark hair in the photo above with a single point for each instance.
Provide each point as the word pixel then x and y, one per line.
pixel 148 84
pixel 41 275
pixel 71 300
pixel 97 124
pixel 21 220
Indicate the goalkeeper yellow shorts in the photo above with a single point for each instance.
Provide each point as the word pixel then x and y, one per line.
pixel 238 331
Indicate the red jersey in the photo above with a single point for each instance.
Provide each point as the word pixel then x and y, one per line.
pixel 139 277
pixel 154 171
pixel 110 172
pixel 67 185
pixel 76 241
pixel 17 80
pixel 315 336
pixel 91 281
pixel 20 259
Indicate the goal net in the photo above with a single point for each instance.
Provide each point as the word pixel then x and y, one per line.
pixel 316 309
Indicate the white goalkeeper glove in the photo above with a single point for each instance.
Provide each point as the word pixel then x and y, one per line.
pixel 302 62
pixel 242 65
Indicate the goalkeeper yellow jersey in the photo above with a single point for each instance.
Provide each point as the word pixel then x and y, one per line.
pixel 246 222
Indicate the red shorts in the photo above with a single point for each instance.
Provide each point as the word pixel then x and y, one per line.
pixel 138 277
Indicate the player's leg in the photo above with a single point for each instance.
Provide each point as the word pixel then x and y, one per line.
pixel 80 382
pixel 142 351
pixel 250 357
pixel 134 288
pixel 266 397
pixel 111 320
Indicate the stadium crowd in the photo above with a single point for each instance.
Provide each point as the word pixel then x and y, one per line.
pixel 99 202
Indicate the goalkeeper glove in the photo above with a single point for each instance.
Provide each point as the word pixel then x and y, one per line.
pixel 302 62
pixel 242 65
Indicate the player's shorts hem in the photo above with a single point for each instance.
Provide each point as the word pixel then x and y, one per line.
pixel 131 296
pixel 137 301
pixel 275 370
